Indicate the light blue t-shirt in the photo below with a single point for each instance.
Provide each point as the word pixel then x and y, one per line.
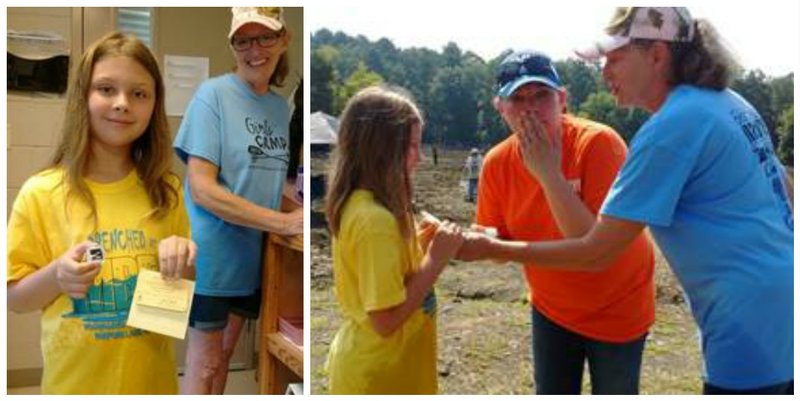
pixel 702 174
pixel 247 137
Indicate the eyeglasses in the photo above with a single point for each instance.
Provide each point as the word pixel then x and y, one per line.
pixel 266 40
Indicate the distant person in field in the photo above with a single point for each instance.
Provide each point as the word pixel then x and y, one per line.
pixel 547 181
pixel 383 271
pixel 702 175
pixel 472 171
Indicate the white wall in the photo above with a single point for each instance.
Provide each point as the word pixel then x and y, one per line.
pixel 32 128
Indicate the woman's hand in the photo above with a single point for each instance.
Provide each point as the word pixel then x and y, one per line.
pixel 175 256
pixel 292 223
pixel 74 276
pixel 477 246
pixel 541 151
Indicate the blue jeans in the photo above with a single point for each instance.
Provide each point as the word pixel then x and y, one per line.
pixel 786 388
pixel 472 189
pixel 210 313
pixel 559 355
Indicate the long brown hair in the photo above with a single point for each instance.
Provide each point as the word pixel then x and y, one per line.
pixel 371 153
pixel 278 77
pixel 706 61
pixel 151 152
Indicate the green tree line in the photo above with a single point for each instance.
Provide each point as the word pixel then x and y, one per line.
pixel 455 87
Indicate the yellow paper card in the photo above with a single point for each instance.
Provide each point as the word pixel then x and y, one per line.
pixel 161 306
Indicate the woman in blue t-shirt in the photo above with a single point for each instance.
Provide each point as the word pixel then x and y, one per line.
pixel 234 139
pixel 702 175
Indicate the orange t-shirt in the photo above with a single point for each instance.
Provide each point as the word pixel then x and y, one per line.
pixel 615 305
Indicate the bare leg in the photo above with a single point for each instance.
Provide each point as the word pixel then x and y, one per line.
pixel 203 359
pixel 231 337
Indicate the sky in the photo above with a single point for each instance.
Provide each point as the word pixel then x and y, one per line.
pixel 765 38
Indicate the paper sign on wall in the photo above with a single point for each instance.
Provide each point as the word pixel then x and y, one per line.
pixel 182 76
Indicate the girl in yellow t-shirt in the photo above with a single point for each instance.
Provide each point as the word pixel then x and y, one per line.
pixel 109 184
pixel 383 276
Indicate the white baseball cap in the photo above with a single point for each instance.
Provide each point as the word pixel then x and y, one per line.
pixel 270 17
pixel 670 24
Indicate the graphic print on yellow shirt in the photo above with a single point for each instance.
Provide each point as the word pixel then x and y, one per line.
pixel 86 347
pixel 105 309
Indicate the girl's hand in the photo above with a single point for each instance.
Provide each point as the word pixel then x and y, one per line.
pixel 75 277
pixel 446 243
pixel 175 256
pixel 541 151
pixel 425 232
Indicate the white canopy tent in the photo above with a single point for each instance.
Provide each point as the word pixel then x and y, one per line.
pixel 323 129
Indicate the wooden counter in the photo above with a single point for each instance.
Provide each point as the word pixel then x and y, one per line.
pixel 280 361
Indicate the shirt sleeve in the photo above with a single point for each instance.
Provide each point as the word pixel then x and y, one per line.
pixel 201 129
pixel 605 154
pixel 488 212
pixel 27 248
pixel 182 226
pixel 380 258
pixel 649 186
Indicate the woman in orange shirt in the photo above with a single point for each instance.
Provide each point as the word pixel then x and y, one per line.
pixel 547 181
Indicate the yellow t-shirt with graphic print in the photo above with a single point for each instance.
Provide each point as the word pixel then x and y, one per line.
pixel 86 345
pixel 370 262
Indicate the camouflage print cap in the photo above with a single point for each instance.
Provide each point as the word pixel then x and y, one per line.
pixel 670 24
pixel 270 17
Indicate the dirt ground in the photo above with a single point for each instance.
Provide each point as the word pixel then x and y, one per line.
pixel 484 329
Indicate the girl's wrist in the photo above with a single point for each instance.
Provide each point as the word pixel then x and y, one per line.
pixel 434 263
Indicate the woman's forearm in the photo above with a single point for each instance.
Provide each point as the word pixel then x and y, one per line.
pixel 237 210
pixel 572 216
pixel 206 191
pixel 567 254
pixel 607 239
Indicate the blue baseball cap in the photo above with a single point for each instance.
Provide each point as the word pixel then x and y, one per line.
pixel 524 67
